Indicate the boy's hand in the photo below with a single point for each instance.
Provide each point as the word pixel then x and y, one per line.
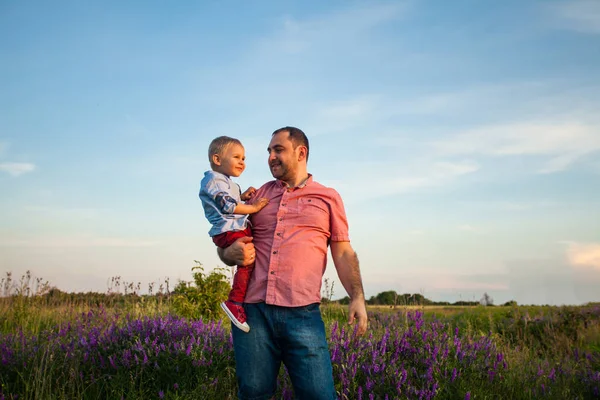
pixel 260 203
pixel 247 195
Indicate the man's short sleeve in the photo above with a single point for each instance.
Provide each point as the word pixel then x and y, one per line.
pixel 338 220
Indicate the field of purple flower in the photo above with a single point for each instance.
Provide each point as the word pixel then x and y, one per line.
pixel 476 353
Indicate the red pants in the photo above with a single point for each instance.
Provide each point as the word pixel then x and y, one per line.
pixel 242 274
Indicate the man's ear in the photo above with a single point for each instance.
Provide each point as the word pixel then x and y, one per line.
pixel 301 153
pixel 216 159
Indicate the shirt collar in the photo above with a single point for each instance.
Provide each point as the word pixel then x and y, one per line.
pixel 213 172
pixel 302 184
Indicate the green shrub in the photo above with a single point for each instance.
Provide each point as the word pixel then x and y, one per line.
pixel 200 299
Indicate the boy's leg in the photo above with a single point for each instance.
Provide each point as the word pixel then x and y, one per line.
pixel 236 314
pixel 242 274
pixel 240 283
pixel 233 306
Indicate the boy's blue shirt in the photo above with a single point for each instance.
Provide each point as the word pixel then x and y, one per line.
pixel 219 196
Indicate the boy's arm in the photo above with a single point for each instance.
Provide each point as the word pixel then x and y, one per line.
pixel 346 263
pixel 217 191
pixel 251 208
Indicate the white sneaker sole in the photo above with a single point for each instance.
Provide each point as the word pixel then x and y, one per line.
pixel 242 326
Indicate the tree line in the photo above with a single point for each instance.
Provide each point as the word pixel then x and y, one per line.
pixel 392 298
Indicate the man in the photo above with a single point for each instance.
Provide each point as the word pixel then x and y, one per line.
pixel 290 239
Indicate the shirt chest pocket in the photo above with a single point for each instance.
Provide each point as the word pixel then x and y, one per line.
pixel 313 206
pixel 310 212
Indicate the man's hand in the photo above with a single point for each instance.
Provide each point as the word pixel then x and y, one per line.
pixel 241 252
pixel 357 311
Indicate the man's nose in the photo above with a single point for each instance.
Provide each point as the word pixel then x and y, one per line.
pixel 271 156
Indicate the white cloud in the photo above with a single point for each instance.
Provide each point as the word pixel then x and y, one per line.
pixel 584 255
pixel 341 28
pixel 446 282
pixel 479 97
pixel 579 15
pixel 513 206
pixel 562 144
pixel 342 116
pixel 469 228
pixel 63 213
pixel 16 169
pixel 444 169
pixel 76 241
pixel 408 179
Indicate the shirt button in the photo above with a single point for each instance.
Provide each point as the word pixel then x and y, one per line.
pixel 278 233
pixel 283 205
pixel 272 272
pixel 275 252
pixel 281 219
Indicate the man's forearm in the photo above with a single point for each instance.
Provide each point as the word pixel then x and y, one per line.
pixel 347 265
pixel 353 280
pixel 223 256
pixel 240 252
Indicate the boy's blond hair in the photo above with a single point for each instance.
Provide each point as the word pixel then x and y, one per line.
pixel 218 146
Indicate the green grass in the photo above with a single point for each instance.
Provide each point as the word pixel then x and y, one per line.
pixel 535 341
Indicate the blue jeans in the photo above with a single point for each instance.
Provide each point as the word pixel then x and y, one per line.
pixel 292 335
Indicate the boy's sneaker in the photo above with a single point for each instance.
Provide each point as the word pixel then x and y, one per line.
pixel 236 314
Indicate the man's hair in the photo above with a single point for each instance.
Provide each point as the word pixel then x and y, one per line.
pixel 297 137
pixel 219 144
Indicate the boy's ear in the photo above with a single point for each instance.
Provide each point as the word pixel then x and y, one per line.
pixel 216 159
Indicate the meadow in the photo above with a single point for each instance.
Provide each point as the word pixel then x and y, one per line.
pixel 117 345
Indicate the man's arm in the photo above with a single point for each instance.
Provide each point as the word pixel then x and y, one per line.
pixel 240 252
pixel 346 263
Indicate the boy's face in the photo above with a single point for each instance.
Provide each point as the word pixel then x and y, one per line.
pixel 232 161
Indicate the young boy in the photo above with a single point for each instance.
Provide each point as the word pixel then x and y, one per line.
pixel 223 207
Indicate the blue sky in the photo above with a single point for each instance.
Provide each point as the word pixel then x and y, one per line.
pixel 464 136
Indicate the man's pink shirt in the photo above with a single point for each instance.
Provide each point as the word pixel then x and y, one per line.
pixel 291 236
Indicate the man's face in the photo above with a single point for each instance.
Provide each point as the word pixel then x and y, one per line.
pixel 283 158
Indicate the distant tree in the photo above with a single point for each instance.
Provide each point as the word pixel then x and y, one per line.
pixel 510 303
pixel 388 298
pixel 373 301
pixel 415 299
pixel 465 303
pixel 406 299
pixel 486 300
